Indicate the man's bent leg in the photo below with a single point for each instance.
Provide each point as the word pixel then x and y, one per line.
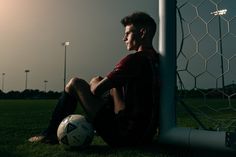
pixel 76 90
pixel 90 103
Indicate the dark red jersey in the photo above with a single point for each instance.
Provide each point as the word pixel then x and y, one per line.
pixel 135 75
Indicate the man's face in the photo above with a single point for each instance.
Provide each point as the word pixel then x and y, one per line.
pixel 131 38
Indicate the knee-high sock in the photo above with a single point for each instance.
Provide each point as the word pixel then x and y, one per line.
pixel 66 105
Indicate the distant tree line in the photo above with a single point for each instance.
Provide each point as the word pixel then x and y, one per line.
pixel 229 90
pixel 30 94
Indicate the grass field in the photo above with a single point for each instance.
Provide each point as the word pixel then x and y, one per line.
pixel 22 118
pixel 215 114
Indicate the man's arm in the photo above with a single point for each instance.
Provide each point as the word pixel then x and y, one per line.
pixel 99 85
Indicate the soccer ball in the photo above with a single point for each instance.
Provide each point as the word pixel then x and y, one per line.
pixel 75 131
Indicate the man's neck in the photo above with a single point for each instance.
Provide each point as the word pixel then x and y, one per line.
pixel 145 48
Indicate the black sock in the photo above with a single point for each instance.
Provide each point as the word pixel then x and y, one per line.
pixel 66 105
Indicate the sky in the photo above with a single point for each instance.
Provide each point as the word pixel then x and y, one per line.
pixel 32 31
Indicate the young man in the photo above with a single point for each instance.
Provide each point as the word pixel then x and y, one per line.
pixel 123 106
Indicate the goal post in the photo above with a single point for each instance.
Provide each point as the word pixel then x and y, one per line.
pixel 170 134
pixel 167 50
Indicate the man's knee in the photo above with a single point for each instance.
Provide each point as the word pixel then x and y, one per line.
pixel 74 84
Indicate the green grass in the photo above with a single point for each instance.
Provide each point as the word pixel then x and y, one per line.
pixel 22 118
pixel 216 114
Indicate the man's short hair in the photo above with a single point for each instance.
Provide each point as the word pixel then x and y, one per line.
pixel 140 20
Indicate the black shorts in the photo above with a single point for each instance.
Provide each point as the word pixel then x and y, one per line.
pixel 109 126
pixel 117 130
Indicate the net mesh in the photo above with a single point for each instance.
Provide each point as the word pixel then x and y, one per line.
pixel 206 64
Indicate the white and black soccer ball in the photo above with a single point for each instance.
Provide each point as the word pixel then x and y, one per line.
pixel 75 131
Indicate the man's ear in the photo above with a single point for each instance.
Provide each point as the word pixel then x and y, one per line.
pixel 143 32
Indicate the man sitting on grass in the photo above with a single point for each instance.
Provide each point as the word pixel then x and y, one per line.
pixel 123 106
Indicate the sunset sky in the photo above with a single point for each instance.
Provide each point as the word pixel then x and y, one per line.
pixel 31 33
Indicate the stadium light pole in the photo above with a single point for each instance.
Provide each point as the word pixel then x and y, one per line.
pixel 45 85
pixel 65 44
pixel 220 13
pixel 3 77
pixel 26 78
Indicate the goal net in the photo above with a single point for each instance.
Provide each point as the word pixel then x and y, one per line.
pixel 206 64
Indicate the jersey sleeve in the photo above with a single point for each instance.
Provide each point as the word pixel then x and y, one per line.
pixel 123 71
